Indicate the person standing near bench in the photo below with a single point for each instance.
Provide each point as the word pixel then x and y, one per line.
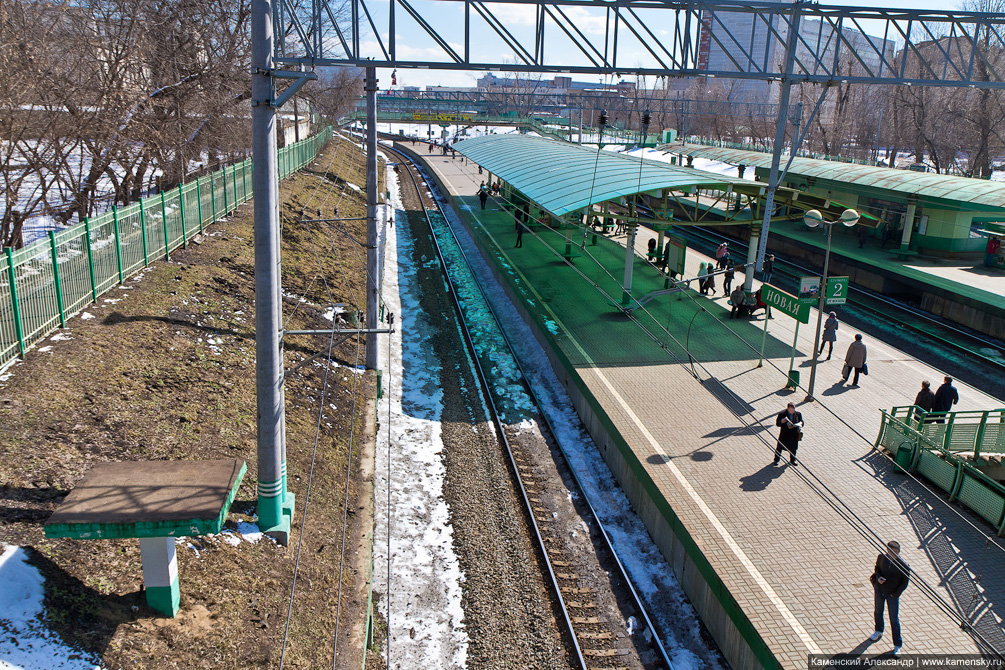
pixel 737 298
pixel 727 279
pixel 766 268
pixel 889 580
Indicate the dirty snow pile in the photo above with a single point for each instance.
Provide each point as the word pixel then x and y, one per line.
pixel 425 601
pixel 25 642
pixel 676 620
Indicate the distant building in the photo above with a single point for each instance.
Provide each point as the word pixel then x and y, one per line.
pixel 723 38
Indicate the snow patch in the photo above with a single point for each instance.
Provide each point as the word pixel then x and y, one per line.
pixel 424 612
pixel 86 316
pixel 27 644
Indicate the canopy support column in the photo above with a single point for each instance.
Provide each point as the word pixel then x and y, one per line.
pixel 626 296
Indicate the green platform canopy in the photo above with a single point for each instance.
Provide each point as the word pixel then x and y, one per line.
pixel 562 177
pixel 959 192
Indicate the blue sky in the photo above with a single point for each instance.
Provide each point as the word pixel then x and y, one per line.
pixel 446 18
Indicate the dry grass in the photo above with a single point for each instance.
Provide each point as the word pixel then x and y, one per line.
pixel 167 372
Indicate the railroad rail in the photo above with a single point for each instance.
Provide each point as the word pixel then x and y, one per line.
pixel 915 320
pixel 594 646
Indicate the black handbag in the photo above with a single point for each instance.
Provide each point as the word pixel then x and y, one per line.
pixel 865 369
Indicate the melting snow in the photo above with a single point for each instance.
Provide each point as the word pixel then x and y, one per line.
pixel 26 643
pixel 426 618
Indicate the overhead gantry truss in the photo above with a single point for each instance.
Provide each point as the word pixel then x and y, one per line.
pixel 649 37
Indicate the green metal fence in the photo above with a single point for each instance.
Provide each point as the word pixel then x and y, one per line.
pixel 981 432
pixel 49 281
pixel 917 447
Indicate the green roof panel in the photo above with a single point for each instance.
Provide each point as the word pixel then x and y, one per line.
pixel 563 177
pixel 963 192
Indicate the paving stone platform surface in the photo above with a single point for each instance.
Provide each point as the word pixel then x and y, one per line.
pixel 794 545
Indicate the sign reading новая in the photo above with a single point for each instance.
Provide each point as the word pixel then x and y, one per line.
pixel 785 303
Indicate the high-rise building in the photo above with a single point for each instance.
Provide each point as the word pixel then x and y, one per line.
pixel 741 42
pixel 726 37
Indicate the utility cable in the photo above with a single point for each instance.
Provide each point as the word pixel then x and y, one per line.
pixel 849 515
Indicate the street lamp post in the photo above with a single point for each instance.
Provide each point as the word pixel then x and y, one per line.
pixel 814 218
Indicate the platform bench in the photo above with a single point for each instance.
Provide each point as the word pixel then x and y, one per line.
pixel 154 501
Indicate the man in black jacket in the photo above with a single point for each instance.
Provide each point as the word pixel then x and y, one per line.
pixel 945 398
pixel 889 581
pixel 791 423
pixel 924 401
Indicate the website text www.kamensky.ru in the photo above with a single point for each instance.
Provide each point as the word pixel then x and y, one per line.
pixel 905 661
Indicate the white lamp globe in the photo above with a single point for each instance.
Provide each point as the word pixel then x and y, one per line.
pixel 813 218
pixel 849 217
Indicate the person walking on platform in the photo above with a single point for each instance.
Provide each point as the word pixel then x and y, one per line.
pixel 519 231
pixel 791 423
pixel 727 279
pixel 483 195
pixel 854 359
pixel 710 281
pixel 945 398
pixel 737 298
pixel 766 268
pixel 924 401
pixel 702 279
pixel 889 580
pixel 720 253
pixel 830 334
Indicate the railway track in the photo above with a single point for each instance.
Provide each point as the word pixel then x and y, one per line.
pixel 601 636
pixel 916 331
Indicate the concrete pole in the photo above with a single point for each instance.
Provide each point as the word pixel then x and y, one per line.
pixel 776 155
pixel 626 296
pixel 905 239
pixel 372 292
pixel 822 297
pixel 275 508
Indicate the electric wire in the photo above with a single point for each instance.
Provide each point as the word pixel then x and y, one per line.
pixel 345 506
pixel 750 346
pixel 303 525
pixel 849 515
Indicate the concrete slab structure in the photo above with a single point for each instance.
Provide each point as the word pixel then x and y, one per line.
pixel 775 559
pixel 154 501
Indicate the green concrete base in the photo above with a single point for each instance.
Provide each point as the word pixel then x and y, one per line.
pixel 275 517
pixel 164 599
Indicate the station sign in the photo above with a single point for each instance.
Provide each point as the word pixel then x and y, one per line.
pixel 809 290
pixel 676 249
pixel 785 303
pixel 837 290
pixel 442 116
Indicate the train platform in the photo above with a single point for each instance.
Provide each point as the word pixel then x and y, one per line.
pixel 793 547
pixel 966 277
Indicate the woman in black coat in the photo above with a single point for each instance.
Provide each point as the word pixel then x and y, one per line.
pixel 791 423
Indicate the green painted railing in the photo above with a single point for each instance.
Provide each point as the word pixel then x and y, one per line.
pixel 916 448
pixel 47 282
pixel 981 432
